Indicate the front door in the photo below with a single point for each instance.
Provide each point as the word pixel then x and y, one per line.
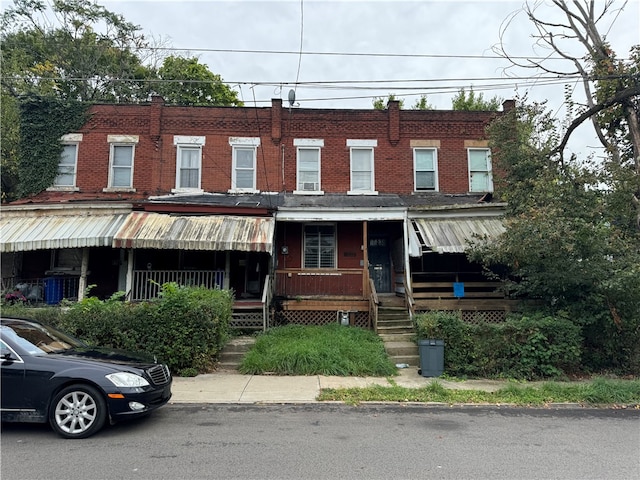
pixel 380 263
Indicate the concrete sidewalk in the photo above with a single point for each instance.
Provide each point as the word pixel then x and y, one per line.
pixel 232 387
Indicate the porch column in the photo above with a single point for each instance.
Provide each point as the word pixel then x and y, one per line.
pixel 227 270
pixel 82 283
pixel 408 294
pixel 129 280
pixel 366 290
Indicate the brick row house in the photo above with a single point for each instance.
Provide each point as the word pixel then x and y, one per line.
pixel 310 215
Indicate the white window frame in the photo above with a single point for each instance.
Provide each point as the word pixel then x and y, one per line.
pixel 308 144
pixel 116 141
pixel 184 142
pixel 244 143
pixel 335 247
pixel 435 169
pixel 362 145
pixel 488 171
pixel 70 139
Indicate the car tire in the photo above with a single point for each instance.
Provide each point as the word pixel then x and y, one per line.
pixel 77 411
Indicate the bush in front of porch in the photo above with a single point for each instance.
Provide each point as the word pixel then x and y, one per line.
pixel 527 347
pixel 318 350
pixel 186 327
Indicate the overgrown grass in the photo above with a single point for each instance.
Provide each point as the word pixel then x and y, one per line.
pixel 598 392
pixel 318 350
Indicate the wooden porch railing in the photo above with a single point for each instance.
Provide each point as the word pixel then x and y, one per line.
pixel 147 283
pixel 314 282
pixel 373 305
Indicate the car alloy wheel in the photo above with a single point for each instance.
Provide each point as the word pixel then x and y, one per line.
pixel 78 411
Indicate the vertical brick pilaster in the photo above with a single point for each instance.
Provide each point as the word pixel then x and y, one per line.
pixel 155 115
pixel 393 110
pixel 276 119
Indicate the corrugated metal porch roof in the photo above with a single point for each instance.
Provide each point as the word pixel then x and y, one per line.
pixel 182 232
pixel 453 235
pixel 34 231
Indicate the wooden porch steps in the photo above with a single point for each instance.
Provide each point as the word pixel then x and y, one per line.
pixel 398 334
pixel 234 351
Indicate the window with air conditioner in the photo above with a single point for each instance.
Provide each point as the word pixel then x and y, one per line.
pixel 308 165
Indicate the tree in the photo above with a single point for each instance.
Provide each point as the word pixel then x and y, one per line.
pixel 422 104
pixel 610 84
pixel 185 81
pixel 572 238
pixel 89 54
pixel 471 101
pixel 381 103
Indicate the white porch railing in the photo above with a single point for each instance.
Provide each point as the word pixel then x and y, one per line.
pixel 147 283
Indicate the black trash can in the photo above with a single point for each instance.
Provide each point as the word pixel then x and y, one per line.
pixel 431 357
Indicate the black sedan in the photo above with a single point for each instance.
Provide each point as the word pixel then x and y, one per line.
pixel 50 376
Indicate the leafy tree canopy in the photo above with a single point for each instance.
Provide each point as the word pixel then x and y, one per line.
pixel 471 101
pixel 67 51
pixel 185 81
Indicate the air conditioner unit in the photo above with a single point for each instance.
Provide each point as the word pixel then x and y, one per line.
pixel 309 186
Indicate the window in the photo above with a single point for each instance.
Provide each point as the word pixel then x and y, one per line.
pixel 319 246
pixel 67 167
pixel 244 163
pixel 480 178
pixel 122 151
pixel 188 162
pixel 425 169
pixel 308 175
pixel 362 172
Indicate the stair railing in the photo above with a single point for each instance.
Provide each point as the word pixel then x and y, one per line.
pixel 373 305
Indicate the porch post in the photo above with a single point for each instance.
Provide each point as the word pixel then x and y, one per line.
pixel 129 278
pixel 408 294
pixel 82 283
pixel 227 270
pixel 365 256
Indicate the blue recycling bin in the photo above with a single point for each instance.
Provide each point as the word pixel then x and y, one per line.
pixel 431 357
pixel 53 290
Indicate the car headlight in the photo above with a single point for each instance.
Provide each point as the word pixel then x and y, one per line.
pixel 126 379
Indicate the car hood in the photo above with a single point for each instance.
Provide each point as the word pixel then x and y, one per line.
pixel 109 356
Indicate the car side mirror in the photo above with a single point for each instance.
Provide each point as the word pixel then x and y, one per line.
pixel 5 354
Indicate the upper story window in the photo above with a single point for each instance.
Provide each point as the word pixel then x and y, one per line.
pixel 425 161
pixel 68 165
pixel 319 246
pixel 362 166
pixel 188 162
pixel 308 165
pixel 243 177
pixel 121 155
pixel 480 176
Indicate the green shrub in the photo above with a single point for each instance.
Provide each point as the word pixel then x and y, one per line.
pixel 186 327
pixel 524 347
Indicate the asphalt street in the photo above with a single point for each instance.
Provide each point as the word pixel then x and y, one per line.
pixel 322 441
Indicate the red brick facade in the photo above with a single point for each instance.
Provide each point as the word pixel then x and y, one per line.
pixel 394 130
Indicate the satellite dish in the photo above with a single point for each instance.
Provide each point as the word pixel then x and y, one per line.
pixel 292 97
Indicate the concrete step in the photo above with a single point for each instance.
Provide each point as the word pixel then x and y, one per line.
pixel 234 351
pixel 401 348
pixel 388 325
pixel 411 360
pixel 397 337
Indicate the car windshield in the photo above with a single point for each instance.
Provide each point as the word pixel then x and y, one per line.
pixel 37 339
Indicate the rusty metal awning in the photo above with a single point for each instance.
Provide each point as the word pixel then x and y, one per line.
pixel 453 235
pixel 184 232
pixel 38 231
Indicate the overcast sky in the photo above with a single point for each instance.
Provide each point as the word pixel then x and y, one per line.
pixel 353 50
